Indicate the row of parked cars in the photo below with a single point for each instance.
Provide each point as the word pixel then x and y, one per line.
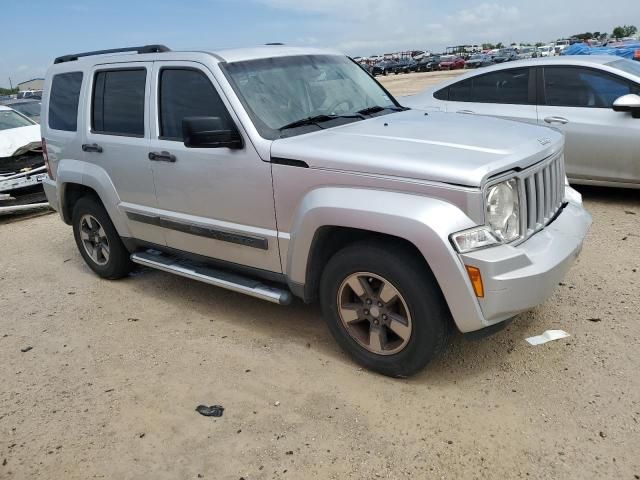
pixel 444 62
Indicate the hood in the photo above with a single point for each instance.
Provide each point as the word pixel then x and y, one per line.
pixel 14 140
pixel 441 147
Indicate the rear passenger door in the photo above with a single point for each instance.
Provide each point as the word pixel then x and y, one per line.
pixel 508 93
pixel 215 202
pixel 117 140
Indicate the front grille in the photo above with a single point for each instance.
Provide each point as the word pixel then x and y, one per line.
pixel 541 194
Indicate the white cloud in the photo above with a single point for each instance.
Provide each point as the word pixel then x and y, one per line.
pixel 364 26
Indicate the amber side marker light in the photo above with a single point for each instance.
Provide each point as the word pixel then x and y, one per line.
pixel 476 280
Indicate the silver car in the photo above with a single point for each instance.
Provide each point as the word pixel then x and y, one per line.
pixel 593 100
pixel 278 171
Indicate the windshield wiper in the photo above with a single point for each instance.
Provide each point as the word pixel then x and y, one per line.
pixel 316 119
pixel 378 108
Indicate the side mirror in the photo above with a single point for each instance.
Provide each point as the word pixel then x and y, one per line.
pixel 628 103
pixel 210 132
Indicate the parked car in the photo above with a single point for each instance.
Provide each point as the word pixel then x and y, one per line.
pixel 546 51
pixel 593 100
pixel 526 52
pixel 397 227
pixel 29 94
pixel 505 55
pixel 478 60
pixel 384 68
pixel 28 107
pixel 21 162
pixel 429 64
pixel 450 62
pixel 406 65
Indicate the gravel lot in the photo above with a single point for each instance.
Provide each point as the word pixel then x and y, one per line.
pixel 116 370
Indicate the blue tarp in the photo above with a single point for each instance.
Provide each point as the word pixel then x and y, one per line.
pixel 627 51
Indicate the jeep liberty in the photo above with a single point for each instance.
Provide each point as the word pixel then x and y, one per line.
pixel 277 172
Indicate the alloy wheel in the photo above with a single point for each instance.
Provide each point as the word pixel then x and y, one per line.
pixel 374 313
pixel 94 239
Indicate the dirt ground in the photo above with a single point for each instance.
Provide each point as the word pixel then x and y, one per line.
pixel 116 370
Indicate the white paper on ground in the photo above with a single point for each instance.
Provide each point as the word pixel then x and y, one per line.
pixel 547 337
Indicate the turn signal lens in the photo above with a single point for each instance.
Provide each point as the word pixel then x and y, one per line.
pixel 476 280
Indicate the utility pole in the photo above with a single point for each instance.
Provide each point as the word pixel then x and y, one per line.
pixel 10 84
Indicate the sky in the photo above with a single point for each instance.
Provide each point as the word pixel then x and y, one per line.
pixel 33 33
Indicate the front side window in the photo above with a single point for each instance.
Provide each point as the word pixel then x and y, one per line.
pixel 10 119
pixel 63 101
pixel 186 93
pixel 582 87
pixel 118 102
pixel 281 91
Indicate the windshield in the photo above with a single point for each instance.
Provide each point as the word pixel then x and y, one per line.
pixel 281 91
pixel 10 119
pixel 28 109
pixel 626 65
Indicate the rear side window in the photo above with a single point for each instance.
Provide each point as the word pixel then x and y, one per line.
pixel 461 91
pixel 504 86
pixel 442 94
pixel 186 93
pixel 63 101
pixel 118 102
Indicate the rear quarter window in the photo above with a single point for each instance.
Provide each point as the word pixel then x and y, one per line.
pixel 63 101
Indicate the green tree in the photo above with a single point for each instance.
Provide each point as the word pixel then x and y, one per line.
pixel 8 91
pixel 499 45
pixel 624 31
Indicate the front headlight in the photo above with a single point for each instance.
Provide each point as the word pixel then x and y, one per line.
pixel 503 210
pixel 474 239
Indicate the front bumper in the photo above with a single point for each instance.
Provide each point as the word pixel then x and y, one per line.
pixel 519 278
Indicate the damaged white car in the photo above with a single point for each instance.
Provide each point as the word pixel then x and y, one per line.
pixel 21 163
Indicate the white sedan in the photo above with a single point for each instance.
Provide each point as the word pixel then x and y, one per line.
pixel 594 100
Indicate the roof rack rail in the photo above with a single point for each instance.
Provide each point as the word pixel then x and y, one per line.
pixel 142 49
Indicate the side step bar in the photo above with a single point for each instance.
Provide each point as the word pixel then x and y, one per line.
pixel 212 276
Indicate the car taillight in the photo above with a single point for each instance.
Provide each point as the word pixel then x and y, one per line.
pixel 636 55
pixel 45 155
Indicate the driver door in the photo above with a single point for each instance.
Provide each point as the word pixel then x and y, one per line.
pixel 215 202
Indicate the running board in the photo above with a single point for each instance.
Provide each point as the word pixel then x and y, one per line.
pixel 212 276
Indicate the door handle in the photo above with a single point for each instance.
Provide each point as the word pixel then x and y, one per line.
pixel 162 157
pixel 91 147
pixel 466 112
pixel 560 120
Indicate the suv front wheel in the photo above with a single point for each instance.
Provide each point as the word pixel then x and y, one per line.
pixel 384 308
pixel 98 240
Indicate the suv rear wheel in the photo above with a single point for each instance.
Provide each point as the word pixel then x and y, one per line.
pixel 98 241
pixel 384 308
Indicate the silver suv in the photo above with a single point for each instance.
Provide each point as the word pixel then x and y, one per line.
pixel 280 172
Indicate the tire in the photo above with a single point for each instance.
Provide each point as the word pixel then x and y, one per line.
pixel 93 227
pixel 419 302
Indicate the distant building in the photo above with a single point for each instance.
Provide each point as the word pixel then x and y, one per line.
pixel 33 84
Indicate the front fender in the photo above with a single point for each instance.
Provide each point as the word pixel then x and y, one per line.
pixel 423 221
pixel 96 178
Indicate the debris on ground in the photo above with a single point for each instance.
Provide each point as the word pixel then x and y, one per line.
pixel 26 349
pixel 547 336
pixel 594 320
pixel 212 411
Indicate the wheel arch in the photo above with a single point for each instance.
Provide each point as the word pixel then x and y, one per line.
pixel 77 179
pixel 330 218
